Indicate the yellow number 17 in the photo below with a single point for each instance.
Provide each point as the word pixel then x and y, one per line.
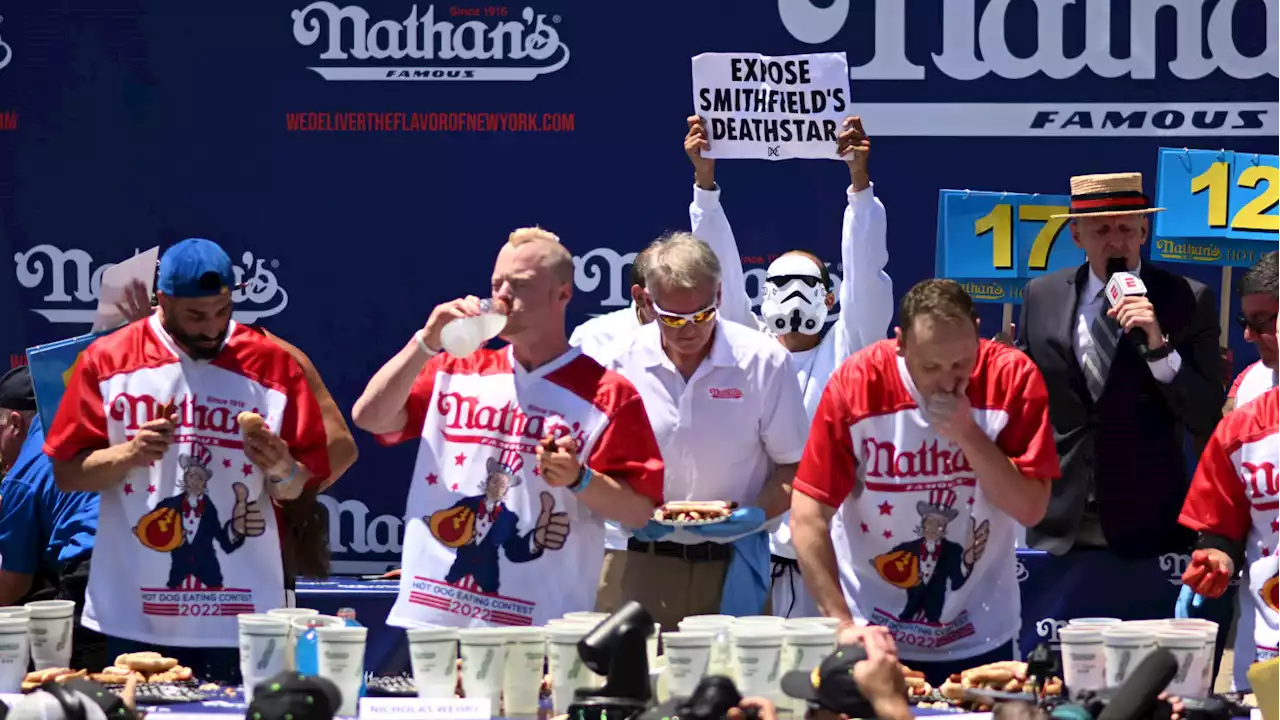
pixel 999 222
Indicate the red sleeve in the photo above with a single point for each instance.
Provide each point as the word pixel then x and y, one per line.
pixel 827 469
pixel 627 451
pixel 81 421
pixel 1027 439
pixel 1235 384
pixel 302 428
pixel 416 404
pixel 1216 501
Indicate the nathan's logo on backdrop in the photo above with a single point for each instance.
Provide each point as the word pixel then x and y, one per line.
pixel 478 46
pixel 72 282
pixel 975 44
pixel 6 52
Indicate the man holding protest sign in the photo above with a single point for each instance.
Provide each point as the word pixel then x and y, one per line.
pixel 798 296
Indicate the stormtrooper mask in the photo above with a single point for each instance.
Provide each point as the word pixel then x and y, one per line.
pixel 795 300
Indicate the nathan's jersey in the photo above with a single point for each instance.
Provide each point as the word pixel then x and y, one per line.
pixel 926 553
pixel 481 524
pixel 1251 383
pixel 1236 494
pixel 177 554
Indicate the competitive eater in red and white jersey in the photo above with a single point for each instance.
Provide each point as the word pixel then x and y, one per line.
pixel 186 536
pixel 1259 305
pixel 938 444
pixel 523 453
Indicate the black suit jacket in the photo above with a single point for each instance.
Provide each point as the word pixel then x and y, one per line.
pixel 1129 445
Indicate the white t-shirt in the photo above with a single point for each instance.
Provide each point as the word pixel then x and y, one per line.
pixel 171 565
pixel 911 506
pixel 603 337
pixel 1251 383
pixel 474 549
pixel 738 415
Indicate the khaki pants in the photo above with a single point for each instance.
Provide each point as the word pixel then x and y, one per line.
pixel 671 589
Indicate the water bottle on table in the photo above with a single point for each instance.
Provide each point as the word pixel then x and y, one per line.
pixel 348 616
pixel 463 336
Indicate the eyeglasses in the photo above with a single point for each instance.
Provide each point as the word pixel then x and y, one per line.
pixel 1259 327
pixel 678 320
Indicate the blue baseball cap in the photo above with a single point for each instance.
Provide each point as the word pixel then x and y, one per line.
pixel 195 268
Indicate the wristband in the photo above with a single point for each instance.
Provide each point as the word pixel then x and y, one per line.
pixel 292 475
pixel 584 479
pixel 1165 351
pixel 422 345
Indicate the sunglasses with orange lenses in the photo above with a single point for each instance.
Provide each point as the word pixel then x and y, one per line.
pixel 676 320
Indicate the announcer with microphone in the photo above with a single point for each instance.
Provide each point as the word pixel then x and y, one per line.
pixel 1129 372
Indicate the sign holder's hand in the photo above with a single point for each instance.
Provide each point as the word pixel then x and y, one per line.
pixel 135 305
pixel 246 515
pixel 853 145
pixel 552 528
pixel 696 142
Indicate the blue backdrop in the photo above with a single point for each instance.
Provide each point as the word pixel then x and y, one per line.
pixel 130 123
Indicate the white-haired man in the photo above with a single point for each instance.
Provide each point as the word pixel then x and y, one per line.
pixel 729 418
pixel 523 452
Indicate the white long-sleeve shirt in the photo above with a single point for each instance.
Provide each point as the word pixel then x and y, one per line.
pixel 865 294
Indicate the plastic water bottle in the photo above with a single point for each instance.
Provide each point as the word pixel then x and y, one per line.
pixel 463 336
pixel 307 653
pixel 348 615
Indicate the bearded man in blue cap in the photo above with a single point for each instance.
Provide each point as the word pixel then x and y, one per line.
pixel 187 425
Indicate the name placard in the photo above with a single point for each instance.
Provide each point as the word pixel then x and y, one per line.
pixel 409 708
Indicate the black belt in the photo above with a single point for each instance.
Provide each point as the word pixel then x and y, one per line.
pixel 702 552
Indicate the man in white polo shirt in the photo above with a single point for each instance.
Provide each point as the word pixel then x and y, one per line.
pixel 934 447
pixel 729 419
pixel 523 452
pixel 604 336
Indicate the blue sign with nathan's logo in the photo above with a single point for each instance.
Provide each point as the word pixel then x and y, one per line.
pixel 993 242
pixel 1220 206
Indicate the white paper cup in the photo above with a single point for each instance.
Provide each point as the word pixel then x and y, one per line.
pixel 721 652
pixel 1208 629
pixel 433 653
pixel 15 652
pixel 1188 647
pixel 20 612
pixel 484 659
pixel 288 614
pixel 823 621
pixel 688 657
pixel 595 618
pixel 804 647
pixel 1123 649
pixel 263 647
pixel 522 675
pixel 341 651
pixel 759 620
pixel 757 662
pixel 51 625
pixel 1084 663
pixel 1094 621
pixel 568 672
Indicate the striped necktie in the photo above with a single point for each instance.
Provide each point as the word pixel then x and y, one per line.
pixel 1104 335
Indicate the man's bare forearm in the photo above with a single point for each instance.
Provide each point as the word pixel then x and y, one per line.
pixel 1022 498
pixel 617 501
pixel 775 496
pixel 93 470
pixel 811 535
pixel 380 408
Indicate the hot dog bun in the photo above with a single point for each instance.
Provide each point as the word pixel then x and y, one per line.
pixel 250 421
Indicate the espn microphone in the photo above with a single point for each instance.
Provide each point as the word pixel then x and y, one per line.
pixel 1123 284
pixel 1136 697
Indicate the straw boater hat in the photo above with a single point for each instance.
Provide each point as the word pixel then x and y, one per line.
pixel 1111 194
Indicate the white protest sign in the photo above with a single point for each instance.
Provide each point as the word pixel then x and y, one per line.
pixel 117 282
pixel 771 108
pixel 415 708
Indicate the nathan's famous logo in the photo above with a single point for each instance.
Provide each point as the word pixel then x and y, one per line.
pixel 984 291
pixel 883 459
pixel 473 48
pixel 466 412
pixel 72 282
pixel 135 410
pixel 605 274
pixel 1196 252
pixel 1212 38
pixel 6 52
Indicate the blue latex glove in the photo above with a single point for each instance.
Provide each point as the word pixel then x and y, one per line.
pixel 741 521
pixel 652 531
pixel 1189 601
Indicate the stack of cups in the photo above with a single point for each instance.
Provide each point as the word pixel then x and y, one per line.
pixel 341 655
pixel 1084 664
pixel 721 654
pixel 433 653
pixel 288 614
pixel 1208 630
pixel 688 655
pixel 1125 647
pixel 805 646
pixel 484 659
pixel 1195 661
pixel 15 650
pixel 262 649
pixel 51 626
pixel 522 675
pixel 825 622
pixel 757 659
pixel 568 672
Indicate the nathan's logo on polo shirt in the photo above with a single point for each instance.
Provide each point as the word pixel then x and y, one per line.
pixel 883 459
pixel 472 44
pixel 725 393
pixel 467 412
pixel 135 410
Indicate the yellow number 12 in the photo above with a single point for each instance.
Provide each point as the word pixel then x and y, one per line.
pixel 1253 215
pixel 999 222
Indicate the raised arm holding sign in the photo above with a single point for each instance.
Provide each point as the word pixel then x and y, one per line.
pixel 772 108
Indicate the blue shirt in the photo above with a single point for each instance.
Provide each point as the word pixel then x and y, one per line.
pixel 41 527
